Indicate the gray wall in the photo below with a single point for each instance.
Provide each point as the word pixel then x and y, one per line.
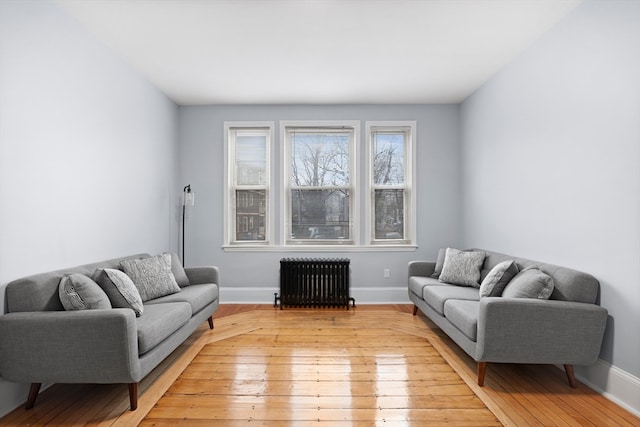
pixel 551 160
pixel 438 195
pixel 88 155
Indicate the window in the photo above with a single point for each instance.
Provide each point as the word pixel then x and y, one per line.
pixel 248 183
pixel 327 177
pixel 319 183
pixel 390 203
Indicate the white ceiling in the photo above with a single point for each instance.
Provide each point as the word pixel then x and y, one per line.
pixel 318 51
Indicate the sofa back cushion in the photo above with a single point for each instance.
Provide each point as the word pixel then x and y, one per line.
pixel 569 284
pixel 39 292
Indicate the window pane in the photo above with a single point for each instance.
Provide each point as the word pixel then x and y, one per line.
pixel 320 214
pixel 389 214
pixel 251 159
pixel 388 158
pixel 320 158
pixel 250 214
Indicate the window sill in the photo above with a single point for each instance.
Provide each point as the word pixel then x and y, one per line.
pixel 319 248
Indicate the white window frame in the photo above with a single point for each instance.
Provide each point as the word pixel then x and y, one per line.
pixel 231 185
pixel 286 186
pixel 409 199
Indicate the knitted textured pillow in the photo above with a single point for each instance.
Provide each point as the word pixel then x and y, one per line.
pixel 152 276
pixel 462 267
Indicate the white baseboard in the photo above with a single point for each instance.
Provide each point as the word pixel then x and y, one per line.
pixel 612 382
pixel 265 295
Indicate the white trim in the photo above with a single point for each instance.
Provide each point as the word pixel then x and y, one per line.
pixel 410 180
pixel 285 170
pixel 228 153
pixel 265 295
pixel 319 248
pixel 613 383
pixel 382 295
pixel 247 294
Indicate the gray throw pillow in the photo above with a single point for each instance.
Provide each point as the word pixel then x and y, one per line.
pixel 79 292
pixel 498 278
pixel 462 267
pixel 530 283
pixel 439 263
pixel 178 271
pixel 152 276
pixel 119 288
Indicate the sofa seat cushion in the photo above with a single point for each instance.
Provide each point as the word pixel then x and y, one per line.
pixel 198 296
pixel 436 296
pixel 463 314
pixel 417 283
pixel 159 321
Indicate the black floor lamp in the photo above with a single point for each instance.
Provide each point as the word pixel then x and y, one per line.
pixel 187 200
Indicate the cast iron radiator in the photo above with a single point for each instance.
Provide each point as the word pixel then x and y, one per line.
pixel 314 282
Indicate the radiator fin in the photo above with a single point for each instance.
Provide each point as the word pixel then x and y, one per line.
pixel 314 282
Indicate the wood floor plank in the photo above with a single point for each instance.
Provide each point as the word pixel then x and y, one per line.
pixel 325 402
pixel 317 423
pixel 307 373
pixel 451 416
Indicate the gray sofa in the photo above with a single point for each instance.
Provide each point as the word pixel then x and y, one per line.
pixel 566 329
pixel 40 342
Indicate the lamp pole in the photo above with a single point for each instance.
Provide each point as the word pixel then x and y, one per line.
pixel 188 199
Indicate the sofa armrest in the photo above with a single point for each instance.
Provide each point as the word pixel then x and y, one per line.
pixel 200 275
pixel 85 346
pixel 421 268
pixel 522 330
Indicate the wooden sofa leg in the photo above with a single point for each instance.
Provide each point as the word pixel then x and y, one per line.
pixel 415 310
pixel 571 376
pixel 33 395
pixel 210 320
pixel 482 369
pixel 133 396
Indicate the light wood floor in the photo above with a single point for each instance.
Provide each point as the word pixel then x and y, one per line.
pixel 519 395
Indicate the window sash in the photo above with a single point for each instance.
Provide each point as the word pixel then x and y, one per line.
pixel 337 226
pixel 250 215
pixel 248 210
pixel 386 225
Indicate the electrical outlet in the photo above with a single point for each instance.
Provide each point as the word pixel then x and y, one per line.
pixel 386 273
